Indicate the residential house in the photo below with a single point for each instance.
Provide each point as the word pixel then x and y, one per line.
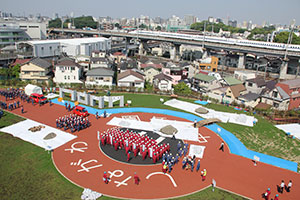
pixel 249 100
pixel 37 70
pixel 233 92
pixel 218 93
pixel 99 62
pixel 127 64
pixel 243 75
pixel 20 62
pixel 67 71
pixel 163 82
pixel 204 83
pixel 209 64
pixel 277 98
pixel 285 95
pixel 118 56
pixel 100 76
pixel 99 54
pixel 255 85
pixel 83 61
pixel 150 72
pixel 230 81
pixel 176 72
pixel 130 78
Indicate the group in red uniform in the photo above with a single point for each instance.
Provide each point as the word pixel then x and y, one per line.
pixel 134 142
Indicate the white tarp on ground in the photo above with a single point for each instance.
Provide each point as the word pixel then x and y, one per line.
pixel 29 89
pixel 89 194
pixel 21 131
pixel 52 96
pixel 196 150
pixel 294 129
pixel 225 117
pixel 186 131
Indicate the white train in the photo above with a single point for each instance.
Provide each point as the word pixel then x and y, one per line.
pixel 250 43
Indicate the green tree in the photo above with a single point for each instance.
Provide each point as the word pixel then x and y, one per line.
pixel 215 27
pixel 56 23
pixel 158 28
pixel 182 89
pixel 143 26
pixel 283 38
pixel 15 71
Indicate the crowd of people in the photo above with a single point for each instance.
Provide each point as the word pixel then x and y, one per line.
pixel 131 141
pixel 73 122
pixel 11 94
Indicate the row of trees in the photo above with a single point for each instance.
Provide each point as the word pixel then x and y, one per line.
pixel 79 22
pixel 213 27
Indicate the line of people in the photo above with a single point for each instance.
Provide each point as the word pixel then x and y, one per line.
pixel 280 189
pixel 73 122
pixel 134 142
pixel 11 93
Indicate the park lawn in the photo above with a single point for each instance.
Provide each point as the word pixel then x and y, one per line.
pixel 264 137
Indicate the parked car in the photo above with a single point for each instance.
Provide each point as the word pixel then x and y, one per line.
pixel 38 98
pixel 80 111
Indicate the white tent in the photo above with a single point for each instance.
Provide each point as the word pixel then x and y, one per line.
pixel 29 89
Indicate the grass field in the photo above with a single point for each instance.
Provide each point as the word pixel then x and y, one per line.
pixel 264 137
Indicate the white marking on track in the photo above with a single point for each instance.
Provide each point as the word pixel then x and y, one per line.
pixel 168 175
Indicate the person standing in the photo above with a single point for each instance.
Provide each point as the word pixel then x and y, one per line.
pixel 267 194
pixel 105 178
pixel 203 174
pixel 281 186
pixel 198 166
pixel 222 146
pixel 276 197
pixel 288 189
pixel 195 123
pixel 128 156
pixel 136 179
pixel 22 109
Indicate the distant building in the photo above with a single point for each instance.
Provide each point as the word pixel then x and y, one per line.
pixel 71 47
pixel 10 34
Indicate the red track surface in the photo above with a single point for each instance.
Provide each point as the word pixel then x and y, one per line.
pixel 231 172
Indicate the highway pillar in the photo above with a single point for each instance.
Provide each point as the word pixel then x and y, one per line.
pixel 242 58
pixel 283 69
pixel 175 53
pixel 141 49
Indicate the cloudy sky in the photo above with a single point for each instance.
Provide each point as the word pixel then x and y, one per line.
pixel 273 11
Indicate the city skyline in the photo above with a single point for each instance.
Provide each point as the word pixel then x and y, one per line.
pixel 274 12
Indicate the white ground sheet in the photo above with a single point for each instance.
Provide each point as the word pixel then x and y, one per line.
pixel 186 131
pixel 294 129
pixel 51 96
pixel 225 117
pixel 196 150
pixel 21 131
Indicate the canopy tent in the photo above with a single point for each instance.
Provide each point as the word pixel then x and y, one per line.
pixel 29 89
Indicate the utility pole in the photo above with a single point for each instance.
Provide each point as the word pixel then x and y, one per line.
pixel 204 34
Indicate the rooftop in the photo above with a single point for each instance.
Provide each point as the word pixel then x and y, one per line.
pixel 204 77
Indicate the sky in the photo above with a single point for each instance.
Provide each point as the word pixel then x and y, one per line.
pixel 272 11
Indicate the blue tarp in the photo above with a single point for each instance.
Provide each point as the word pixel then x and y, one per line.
pixel 234 144
pixel 201 102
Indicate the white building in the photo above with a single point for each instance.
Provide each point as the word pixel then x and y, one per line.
pixel 72 47
pixel 35 30
pixel 100 77
pixel 67 71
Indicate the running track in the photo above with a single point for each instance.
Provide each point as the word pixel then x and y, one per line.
pixel 231 172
